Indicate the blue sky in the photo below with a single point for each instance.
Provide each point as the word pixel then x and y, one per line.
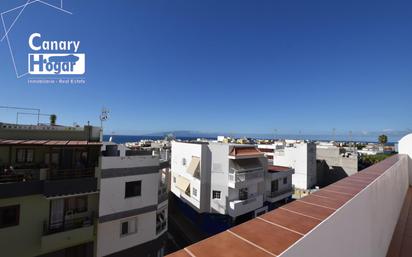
pixel 224 66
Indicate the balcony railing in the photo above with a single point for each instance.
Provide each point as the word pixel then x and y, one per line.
pixel 278 193
pixel 23 175
pixel 66 225
pixel 70 173
pixel 239 177
pixel 161 226
pixel 19 175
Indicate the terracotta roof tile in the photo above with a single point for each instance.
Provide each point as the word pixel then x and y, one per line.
pixel 308 210
pixel 291 220
pixel 244 151
pixel 323 201
pixel 181 253
pixel 265 234
pixel 226 244
pixel 276 168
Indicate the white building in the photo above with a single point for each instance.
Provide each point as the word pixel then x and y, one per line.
pixel 222 178
pixel 299 155
pixel 132 213
pixel 237 181
pixel 190 174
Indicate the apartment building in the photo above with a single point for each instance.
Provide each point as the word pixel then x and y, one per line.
pixel 133 203
pixel 237 180
pixel 65 193
pixel 226 179
pixel 299 155
pixel 48 190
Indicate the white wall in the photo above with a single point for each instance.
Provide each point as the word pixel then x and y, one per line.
pixel 180 151
pixel 301 157
pixel 219 177
pixel 110 240
pixel 117 162
pixel 405 147
pixel 112 192
pixel 363 226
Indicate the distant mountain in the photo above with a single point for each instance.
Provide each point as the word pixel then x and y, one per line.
pixel 184 133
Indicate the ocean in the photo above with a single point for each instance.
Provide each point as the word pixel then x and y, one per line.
pixel 121 139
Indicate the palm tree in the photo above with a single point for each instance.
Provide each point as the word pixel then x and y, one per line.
pixel 53 119
pixel 383 139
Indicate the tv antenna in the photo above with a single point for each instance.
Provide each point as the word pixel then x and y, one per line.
pixel 104 116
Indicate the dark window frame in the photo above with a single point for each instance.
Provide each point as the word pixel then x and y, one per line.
pixel 133 189
pixel 26 150
pixel 76 200
pixel 17 216
pixel 216 194
pixel 274 185
pixel 285 180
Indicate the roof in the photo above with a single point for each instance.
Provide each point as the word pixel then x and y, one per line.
pixel 275 168
pixel 49 142
pixel 244 151
pixel 273 233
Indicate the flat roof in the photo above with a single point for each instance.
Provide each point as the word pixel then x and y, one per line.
pixel 49 142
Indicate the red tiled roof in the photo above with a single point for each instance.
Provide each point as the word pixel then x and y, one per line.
pixel 275 168
pixel 245 151
pixel 49 142
pixel 272 233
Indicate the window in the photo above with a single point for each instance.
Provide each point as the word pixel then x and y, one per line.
pixel 174 179
pixel 75 205
pixel 128 227
pixel 24 155
pixel 274 185
pixel 133 188
pixel 215 194
pixel 184 162
pixel 243 194
pixel 194 192
pixel 9 216
pixel 285 180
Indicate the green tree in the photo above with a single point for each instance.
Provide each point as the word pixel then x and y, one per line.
pixel 53 119
pixel 383 139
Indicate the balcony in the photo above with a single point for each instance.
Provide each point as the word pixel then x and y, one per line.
pixel 66 234
pixel 21 182
pixel 161 227
pixel 278 195
pixel 240 207
pixel 240 179
pixel 356 216
pixel 162 193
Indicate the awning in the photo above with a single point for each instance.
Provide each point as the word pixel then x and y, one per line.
pixel 194 165
pixel 182 183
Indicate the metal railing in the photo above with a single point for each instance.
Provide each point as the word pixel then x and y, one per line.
pixel 23 175
pixel 278 193
pixel 19 175
pixel 238 177
pixel 70 173
pixel 66 225
pixel 160 227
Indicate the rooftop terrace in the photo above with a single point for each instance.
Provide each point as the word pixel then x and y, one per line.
pixel 362 215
